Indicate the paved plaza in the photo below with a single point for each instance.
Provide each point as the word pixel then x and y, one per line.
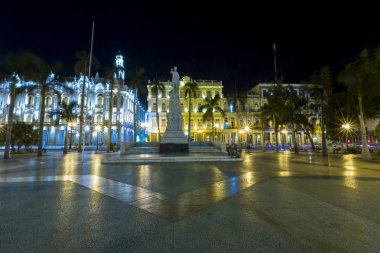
pixel 266 203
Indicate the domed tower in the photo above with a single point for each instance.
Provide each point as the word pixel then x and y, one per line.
pixel 119 63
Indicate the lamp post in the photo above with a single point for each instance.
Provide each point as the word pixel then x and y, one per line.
pixel 346 128
pixel 241 136
pixel 284 132
pixel 71 125
pixel 97 129
pixel 246 129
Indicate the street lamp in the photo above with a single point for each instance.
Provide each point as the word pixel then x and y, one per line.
pixel 346 128
pixel 97 129
pixel 284 132
pixel 241 135
pixel 71 125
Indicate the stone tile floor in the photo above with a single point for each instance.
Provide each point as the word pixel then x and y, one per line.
pixel 267 203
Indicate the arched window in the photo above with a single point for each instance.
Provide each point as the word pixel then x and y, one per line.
pixel 48 101
pixel 30 100
pixel 65 99
pixel 115 101
pixel 99 100
pixel 28 118
pixel 98 118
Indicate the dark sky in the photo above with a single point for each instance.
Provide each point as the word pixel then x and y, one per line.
pixel 231 42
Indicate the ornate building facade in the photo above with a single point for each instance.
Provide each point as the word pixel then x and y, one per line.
pixel 96 109
pixel 236 125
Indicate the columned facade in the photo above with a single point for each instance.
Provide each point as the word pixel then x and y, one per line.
pixel 96 109
pixel 236 126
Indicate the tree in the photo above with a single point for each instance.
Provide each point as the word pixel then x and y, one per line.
pixel 293 112
pixel 274 108
pixel 136 82
pixel 22 134
pixel 81 67
pixel 67 113
pixel 14 67
pixel 211 106
pixel 109 73
pixel 47 82
pixel 191 89
pixel 238 101
pixel 362 77
pixel 260 124
pixel 320 94
pixel 307 128
pixel 156 88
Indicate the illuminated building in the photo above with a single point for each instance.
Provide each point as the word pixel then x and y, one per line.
pixel 241 126
pixel 97 94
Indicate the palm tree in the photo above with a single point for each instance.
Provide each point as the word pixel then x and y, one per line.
pixel 67 113
pixel 109 74
pixel 191 89
pixel 274 107
pixel 292 113
pixel 47 82
pixel 14 66
pixel 362 77
pixel 81 67
pixel 211 106
pixel 137 79
pixel 260 124
pixel 156 88
pixel 320 94
pixel 307 128
pixel 238 100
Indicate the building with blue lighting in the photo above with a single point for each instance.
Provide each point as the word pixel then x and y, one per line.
pixel 96 109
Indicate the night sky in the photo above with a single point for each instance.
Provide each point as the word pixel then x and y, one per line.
pixel 231 42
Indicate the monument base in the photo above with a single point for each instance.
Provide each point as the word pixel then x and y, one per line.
pixel 174 142
pixel 174 148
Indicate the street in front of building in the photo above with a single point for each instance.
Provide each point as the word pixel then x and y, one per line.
pixel 269 202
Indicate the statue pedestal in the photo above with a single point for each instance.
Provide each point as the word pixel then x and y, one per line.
pixel 174 142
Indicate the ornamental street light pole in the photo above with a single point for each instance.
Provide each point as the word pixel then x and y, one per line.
pixel 347 128
pixel 97 129
pixel 71 125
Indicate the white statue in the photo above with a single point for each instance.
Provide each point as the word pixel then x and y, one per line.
pixel 175 80
pixel 175 75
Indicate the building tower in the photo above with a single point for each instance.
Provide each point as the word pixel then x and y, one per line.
pixel 119 64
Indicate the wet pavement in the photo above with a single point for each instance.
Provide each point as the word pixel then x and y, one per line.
pixel 266 203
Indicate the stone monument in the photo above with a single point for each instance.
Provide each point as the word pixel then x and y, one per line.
pixel 174 140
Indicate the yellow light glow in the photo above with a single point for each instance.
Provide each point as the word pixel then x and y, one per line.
pixel 346 126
